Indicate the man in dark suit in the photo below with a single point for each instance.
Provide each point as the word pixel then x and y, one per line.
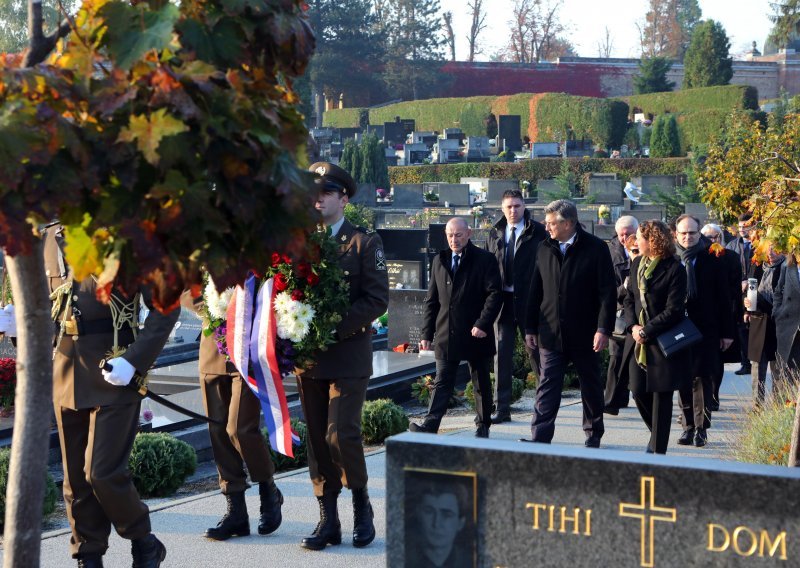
pixel 236 440
pixel 513 241
pixel 571 314
pixel 463 300
pixel 786 313
pixel 743 248
pixel 709 308
pixel 97 417
pixel 616 394
pixel 332 392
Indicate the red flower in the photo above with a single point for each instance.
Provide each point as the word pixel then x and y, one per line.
pixel 276 259
pixel 303 269
pixel 286 258
pixel 312 279
pixel 297 295
pixel 281 283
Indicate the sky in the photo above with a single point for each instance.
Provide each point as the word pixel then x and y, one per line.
pixel 744 21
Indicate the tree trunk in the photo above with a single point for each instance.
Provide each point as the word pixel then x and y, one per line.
pixel 33 401
pixel 319 104
pixel 794 452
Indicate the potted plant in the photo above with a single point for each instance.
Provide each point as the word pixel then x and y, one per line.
pixel 604 215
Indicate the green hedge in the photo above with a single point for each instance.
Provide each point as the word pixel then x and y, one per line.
pixel 604 121
pixel 726 98
pixel 50 489
pixel 539 168
pixel 341 118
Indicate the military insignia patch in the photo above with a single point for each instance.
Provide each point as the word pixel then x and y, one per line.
pixel 321 170
pixel 380 260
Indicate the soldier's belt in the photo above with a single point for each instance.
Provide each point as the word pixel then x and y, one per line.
pixel 91 327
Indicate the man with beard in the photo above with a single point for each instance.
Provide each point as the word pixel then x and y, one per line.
pixel 708 306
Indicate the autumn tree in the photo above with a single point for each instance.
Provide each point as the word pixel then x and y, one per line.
pixel 414 48
pixel 606 46
pixel 708 62
pixel 652 77
pixel 668 28
pixel 785 19
pixel 164 138
pixel 535 32
pixel 349 53
pixel 477 26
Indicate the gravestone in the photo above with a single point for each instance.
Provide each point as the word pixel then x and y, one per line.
pixel 407 195
pixel 365 195
pixel 406 310
pixel 605 190
pixel 510 130
pixel 456 194
pixel 645 212
pixel 403 244
pixel 497 187
pixel 187 329
pixel 601 175
pixel 7 349
pixel 546 188
pixel 651 184
pixel 605 232
pixel 699 210
pixel 405 274
pixel 541 505
pixel 396 220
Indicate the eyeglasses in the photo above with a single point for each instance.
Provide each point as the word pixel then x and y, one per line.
pixel 713 237
pixel 688 233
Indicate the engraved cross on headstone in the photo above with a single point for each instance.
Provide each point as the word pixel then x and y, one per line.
pixel 648 513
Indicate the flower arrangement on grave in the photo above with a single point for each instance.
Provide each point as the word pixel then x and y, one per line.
pixel 430 196
pixel 8 382
pixel 604 214
pixel 383 194
pixel 526 188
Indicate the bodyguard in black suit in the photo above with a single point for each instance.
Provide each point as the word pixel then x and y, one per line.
pixel 709 308
pixel 658 277
pixel 463 300
pixel 571 314
pixel 743 248
pixel 513 241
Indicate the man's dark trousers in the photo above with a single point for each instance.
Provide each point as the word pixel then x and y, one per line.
pixel 548 394
pixel 445 383
pixel 616 392
pixel 505 329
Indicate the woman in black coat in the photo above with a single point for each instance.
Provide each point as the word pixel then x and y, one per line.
pixel 658 277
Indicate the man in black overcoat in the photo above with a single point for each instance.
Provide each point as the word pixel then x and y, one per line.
pixel 513 241
pixel 709 308
pixel 571 314
pixel 463 301
pixel 742 246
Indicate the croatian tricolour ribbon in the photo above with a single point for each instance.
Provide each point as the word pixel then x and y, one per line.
pixel 251 337
pixel 266 381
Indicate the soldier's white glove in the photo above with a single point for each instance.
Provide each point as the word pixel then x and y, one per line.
pixel 8 321
pixel 121 372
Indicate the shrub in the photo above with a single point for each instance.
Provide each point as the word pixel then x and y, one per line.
pixel 765 434
pixel 50 490
pixel 423 387
pixel 160 463
pixel 360 215
pixel 8 382
pixel 300 459
pixel 517 388
pixel 380 419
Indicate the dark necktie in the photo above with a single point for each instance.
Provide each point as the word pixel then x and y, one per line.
pixel 456 258
pixel 509 268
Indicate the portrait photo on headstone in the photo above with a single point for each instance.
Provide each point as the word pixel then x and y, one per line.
pixel 440 518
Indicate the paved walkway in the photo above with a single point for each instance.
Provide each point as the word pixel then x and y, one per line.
pixel 180 524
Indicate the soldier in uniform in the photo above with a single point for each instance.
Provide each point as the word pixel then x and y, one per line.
pixel 332 392
pixel 97 416
pixel 236 439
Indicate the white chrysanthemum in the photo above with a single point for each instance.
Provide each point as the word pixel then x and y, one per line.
pixel 304 312
pixel 216 303
pixel 283 303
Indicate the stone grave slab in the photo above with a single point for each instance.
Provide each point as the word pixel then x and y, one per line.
pixel 365 195
pixel 605 232
pixel 650 184
pixel 408 195
pixel 600 175
pixel 456 194
pixel 405 274
pixel 7 349
pixel 497 187
pixel 699 210
pixel 645 213
pixel 406 310
pixel 403 244
pixel 396 220
pixel 541 505
pixel 605 190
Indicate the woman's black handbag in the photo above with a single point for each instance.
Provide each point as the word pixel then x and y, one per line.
pixel 678 338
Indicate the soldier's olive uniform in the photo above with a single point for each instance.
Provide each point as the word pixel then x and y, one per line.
pixel 238 440
pixel 97 421
pixel 333 391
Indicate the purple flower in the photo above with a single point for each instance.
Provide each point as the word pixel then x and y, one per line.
pixel 147 415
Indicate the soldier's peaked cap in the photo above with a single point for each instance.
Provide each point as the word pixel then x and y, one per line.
pixel 334 179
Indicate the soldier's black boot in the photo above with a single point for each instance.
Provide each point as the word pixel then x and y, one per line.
pixel 363 527
pixel 329 530
pixel 148 552
pixel 271 501
pixel 234 522
pixel 90 561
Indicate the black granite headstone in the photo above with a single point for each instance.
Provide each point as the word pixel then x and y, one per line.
pixel 403 244
pixel 509 128
pixel 406 309
pixel 542 505
pixel 405 274
pixel 456 195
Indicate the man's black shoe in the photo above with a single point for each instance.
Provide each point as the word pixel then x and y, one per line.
pixel 610 410
pixel 148 552
pixel 592 442
pixel 413 427
pixel 482 431
pixel 90 561
pixel 687 438
pixel 647 450
pixel 499 417
pixel 700 438
pixel 743 370
pixel 235 521
pixel 713 406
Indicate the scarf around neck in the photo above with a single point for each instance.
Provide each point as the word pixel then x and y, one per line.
pixel 688 256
